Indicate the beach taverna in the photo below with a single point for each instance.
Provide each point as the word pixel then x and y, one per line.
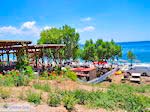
pixel 18 48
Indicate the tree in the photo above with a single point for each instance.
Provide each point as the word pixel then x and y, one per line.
pixel 70 39
pixel 131 56
pixel 89 51
pixel 64 35
pixel 101 50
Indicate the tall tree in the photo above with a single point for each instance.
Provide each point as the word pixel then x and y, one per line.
pixel 64 35
pixel 131 56
pixel 70 39
pixel 89 51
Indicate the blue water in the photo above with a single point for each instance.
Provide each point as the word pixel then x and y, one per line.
pixel 140 49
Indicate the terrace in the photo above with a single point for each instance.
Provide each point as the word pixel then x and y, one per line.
pixel 18 48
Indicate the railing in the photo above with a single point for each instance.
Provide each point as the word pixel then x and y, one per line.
pixel 103 77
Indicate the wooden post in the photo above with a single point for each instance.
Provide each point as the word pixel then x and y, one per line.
pixel 42 59
pixel 36 59
pixel 8 61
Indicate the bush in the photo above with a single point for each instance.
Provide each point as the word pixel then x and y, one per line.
pixel 4 93
pixel 21 80
pixel 29 72
pixel 54 100
pixel 7 81
pixel 82 96
pixel 44 74
pixel 33 97
pixel 69 101
pixel 71 75
pixel 14 78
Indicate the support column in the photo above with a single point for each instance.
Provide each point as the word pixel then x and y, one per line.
pixel 8 61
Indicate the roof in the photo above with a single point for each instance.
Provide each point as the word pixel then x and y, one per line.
pixel 4 43
pixel 34 46
pixel 81 69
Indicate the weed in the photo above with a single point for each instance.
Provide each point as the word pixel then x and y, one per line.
pixel 33 97
pixel 4 93
pixel 54 99
pixel 69 101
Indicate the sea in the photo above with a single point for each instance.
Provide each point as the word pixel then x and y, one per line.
pixel 141 49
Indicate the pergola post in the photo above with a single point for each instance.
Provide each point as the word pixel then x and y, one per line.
pixel 8 61
pixel 36 58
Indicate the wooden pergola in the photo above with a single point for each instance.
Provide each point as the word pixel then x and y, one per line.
pixel 12 47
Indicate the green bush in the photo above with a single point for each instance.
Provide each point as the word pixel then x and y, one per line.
pixel 33 97
pixel 54 99
pixel 44 74
pixel 69 101
pixel 29 72
pixel 71 75
pixel 21 80
pixel 82 96
pixel 14 78
pixel 7 81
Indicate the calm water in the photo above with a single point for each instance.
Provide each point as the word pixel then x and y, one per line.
pixel 140 49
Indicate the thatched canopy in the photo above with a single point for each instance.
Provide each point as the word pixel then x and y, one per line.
pixel 5 43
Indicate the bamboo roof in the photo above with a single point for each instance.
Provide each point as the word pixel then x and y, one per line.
pixel 4 43
pixel 34 46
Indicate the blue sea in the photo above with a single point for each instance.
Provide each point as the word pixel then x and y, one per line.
pixel 141 49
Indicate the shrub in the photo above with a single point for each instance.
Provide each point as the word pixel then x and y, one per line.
pixel 69 101
pixel 81 95
pixel 71 75
pixel 29 72
pixel 14 78
pixel 7 81
pixel 44 74
pixel 54 99
pixel 33 97
pixel 21 80
pixel 4 93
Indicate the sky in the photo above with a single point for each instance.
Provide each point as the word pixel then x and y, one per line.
pixel 120 20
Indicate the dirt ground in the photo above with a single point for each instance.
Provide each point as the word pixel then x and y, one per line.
pixel 15 103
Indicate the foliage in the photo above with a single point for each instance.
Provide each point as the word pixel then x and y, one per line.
pixel 69 101
pixel 14 78
pixel 54 99
pixel 82 96
pixel 44 74
pixel 117 96
pixel 70 74
pixel 70 39
pixel 4 93
pixel 64 35
pixel 33 97
pixel 45 87
pixel 29 72
pixel 101 50
pixel 89 51
pixel 22 59
pixel 131 56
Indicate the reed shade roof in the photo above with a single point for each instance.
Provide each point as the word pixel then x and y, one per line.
pixel 54 46
pixel 5 43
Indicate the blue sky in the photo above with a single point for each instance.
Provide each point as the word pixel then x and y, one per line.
pixel 121 20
